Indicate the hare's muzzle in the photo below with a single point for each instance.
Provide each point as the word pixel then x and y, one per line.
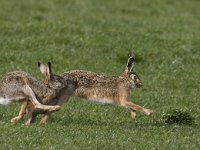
pixel 138 85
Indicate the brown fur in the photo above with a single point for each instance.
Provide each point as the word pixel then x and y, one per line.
pixel 60 98
pixel 96 87
pixel 60 90
pixel 21 86
pixel 107 89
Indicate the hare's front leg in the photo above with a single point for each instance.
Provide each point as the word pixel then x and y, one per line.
pixel 135 107
pixel 133 114
pixel 30 115
pixel 21 112
pixel 45 118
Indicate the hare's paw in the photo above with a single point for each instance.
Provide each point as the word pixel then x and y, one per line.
pixel 133 114
pixel 28 123
pixel 54 108
pixel 43 121
pixel 149 112
pixel 15 119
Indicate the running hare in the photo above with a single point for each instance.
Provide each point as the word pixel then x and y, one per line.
pixel 21 86
pixel 108 89
pixel 63 90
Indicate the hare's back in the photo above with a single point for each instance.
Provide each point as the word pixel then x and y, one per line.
pixel 12 83
pixel 91 79
pixel 13 78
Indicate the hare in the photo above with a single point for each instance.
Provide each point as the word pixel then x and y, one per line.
pixel 62 96
pixel 107 89
pixel 63 90
pixel 22 86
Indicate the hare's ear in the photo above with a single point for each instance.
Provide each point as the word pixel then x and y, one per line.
pixel 45 71
pixel 130 63
pixel 49 67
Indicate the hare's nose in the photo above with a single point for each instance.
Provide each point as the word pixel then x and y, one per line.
pixel 139 84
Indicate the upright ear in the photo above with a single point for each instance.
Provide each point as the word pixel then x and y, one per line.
pixel 130 63
pixel 49 64
pixel 45 71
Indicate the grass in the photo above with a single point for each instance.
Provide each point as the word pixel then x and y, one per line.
pixel 180 117
pixel 97 36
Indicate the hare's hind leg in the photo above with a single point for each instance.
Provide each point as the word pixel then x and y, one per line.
pixel 21 112
pixel 29 92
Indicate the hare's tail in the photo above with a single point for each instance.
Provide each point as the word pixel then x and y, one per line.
pixel 4 101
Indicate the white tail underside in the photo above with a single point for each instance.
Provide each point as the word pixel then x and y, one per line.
pixel 4 101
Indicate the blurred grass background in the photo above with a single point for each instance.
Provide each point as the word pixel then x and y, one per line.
pixel 98 36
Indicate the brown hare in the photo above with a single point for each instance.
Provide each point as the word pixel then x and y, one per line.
pixel 21 86
pixel 107 89
pixel 62 91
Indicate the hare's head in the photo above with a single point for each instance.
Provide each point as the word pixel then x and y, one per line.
pixel 130 74
pixel 53 81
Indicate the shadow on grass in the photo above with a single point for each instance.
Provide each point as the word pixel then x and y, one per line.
pixel 124 124
pixel 163 125
pixel 98 123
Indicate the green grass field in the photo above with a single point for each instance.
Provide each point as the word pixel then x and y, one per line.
pixel 98 35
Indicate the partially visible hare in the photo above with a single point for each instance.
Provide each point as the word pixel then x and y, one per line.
pixel 21 86
pixel 107 89
pixel 63 90
pixel 62 96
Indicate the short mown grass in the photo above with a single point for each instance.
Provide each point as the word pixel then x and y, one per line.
pixel 98 35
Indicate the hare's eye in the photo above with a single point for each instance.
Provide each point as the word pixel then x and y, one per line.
pixel 133 76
